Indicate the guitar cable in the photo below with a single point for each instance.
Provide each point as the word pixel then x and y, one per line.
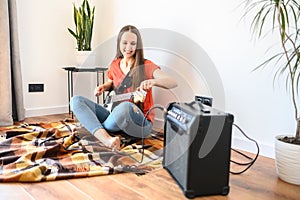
pixel 143 124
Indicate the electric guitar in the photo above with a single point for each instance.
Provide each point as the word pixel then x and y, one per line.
pixel 138 98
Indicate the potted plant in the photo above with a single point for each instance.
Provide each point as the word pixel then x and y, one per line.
pixel 84 22
pixel 283 16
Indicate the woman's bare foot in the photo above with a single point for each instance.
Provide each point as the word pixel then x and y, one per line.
pixel 115 143
pixel 107 140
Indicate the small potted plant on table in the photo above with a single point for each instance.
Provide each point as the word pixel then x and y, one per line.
pixel 84 22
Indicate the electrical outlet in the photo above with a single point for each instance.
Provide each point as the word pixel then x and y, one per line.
pixel 36 87
pixel 205 100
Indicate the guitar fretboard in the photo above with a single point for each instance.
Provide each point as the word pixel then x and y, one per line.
pixel 121 97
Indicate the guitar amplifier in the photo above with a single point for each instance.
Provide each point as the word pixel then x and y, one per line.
pixel 197 147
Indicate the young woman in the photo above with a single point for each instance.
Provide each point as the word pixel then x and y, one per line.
pixel 139 74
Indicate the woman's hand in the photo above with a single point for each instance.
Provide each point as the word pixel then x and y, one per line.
pixel 99 90
pixel 147 84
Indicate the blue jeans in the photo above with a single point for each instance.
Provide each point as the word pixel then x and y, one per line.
pixel 126 117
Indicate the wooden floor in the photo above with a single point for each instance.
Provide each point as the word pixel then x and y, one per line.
pixel 260 182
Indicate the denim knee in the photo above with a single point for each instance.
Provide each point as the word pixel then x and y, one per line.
pixel 124 107
pixel 75 100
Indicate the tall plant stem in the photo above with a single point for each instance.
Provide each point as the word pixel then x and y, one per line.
pixel 298 130
pixel 284 35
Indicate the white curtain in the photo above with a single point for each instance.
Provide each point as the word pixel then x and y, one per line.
pixel 11 91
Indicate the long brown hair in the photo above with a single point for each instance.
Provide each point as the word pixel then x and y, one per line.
pixel 137 72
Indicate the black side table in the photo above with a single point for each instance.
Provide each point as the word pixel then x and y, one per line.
pixel 72 69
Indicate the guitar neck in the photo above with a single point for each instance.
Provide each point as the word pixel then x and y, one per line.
pixel 122 97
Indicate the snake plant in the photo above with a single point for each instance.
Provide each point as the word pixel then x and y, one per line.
pixel 84 21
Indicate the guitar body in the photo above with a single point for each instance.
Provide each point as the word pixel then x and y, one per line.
pixel 113 99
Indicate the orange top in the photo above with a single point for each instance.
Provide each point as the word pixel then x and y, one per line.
pixel 116 75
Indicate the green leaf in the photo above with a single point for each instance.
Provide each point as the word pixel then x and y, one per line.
pixel 72 33
pixel 75 14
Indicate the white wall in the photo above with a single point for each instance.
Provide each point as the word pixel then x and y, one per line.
pixel 261 110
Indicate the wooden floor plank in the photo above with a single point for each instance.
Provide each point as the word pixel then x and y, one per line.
pixel 150 186
pixel 14 191
pixel 102 187
pixel 53 190
pixel 262 182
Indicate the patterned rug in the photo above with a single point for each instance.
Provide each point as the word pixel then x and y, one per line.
pixel 63 150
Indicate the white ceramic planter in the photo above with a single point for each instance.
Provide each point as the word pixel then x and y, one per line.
pixel 287 157
pixel 85 59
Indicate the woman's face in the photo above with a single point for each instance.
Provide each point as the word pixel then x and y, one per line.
pixel 128 44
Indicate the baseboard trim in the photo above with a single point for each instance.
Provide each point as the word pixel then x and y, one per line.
pixel 33 112
pixel 247 145
pixel 158 124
